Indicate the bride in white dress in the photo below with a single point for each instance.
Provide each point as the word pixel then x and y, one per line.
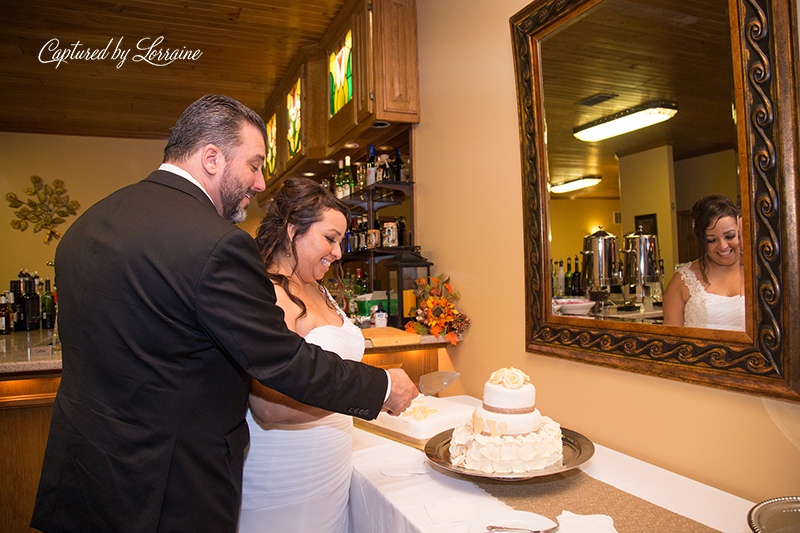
pixel 298 468
pixel 709 292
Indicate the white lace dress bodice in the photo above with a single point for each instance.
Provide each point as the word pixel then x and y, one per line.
pixel 297 476
pixel 712 311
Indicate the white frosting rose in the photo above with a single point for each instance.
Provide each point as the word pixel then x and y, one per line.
pixel 510 378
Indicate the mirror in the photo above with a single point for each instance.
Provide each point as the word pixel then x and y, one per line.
pixel 651 177
pixel 760 89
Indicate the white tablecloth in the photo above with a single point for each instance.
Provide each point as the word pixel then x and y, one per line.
pixel 395 489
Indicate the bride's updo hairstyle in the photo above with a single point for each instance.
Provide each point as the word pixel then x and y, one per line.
pixel 300 202
pixel 705 212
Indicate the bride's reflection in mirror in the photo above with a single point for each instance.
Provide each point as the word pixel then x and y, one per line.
pixel 709 292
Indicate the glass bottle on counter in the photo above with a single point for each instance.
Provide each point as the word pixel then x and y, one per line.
pixel 18 308
pixel 48 306
pixel 5 316
pixel 568 278
pixel 577 289
pixel 30 301
pixel 560 279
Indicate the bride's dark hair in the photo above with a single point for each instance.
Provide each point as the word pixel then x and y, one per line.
pixel 300 202
pixel 706 211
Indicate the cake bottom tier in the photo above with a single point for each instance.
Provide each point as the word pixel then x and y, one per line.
pixel 507 454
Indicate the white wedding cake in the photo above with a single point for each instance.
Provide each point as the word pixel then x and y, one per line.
pixel 507 434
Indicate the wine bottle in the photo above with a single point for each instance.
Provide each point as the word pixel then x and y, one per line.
pixel 568 278
pixel 30 300
pixel 577 283
pixel 347 178
pixel 5 316
pixel 371 166
pixel 339 181
pixel 398 167
pixel 20 322
pixel 48 306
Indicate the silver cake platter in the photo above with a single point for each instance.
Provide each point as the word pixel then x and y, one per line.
pixel 577 450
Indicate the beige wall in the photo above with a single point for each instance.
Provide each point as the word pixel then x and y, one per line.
pixel 700 176
pixel 572 220
pixel 470 220
pixel 647 186
pixel 91 168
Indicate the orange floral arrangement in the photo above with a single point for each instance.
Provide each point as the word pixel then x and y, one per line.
pixel 437 314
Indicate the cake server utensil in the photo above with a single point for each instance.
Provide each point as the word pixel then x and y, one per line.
pixel 434 382
pixel 509 529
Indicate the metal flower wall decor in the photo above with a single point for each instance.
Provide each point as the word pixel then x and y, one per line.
pixel 48 207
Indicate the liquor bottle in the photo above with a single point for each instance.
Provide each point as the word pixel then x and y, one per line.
pixel 347 178
pixel 560 279
pixel 403 232
pixel 568 278
pixel 48 306
pixel 20 322
pixel 577 285
pixel 30 300
pixel 361 285
pixel 352 237
pixel 371 166
pixel 398 166
pixel 554 278
pixel 361 177
pixel 339 181
pixel 5 316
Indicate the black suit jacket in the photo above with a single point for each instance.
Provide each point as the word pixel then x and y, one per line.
pixel 165 312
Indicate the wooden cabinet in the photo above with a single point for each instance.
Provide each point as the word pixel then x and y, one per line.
pixel 26 405
pixel 384 66
pixel 384 93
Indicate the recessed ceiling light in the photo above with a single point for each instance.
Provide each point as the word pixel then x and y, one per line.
pixel 381 124
pixel 327 162
pixel 309 174
pixel 351 145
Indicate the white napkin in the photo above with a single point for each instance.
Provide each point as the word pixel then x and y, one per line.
pixel 576 523
pixel 451 510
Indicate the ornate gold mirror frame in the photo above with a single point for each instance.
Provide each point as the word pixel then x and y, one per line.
pixel 766 359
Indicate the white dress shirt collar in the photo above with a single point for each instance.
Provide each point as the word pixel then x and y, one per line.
pixel 182 173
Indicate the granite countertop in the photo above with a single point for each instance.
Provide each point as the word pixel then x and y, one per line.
pixel 22 352
pixel 28 351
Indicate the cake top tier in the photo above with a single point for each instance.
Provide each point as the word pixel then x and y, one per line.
pixel 509 390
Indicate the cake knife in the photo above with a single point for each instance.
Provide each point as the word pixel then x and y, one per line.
pixel 434 382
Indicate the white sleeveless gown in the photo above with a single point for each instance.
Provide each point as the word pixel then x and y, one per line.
pixel 297 477
pixel 712 311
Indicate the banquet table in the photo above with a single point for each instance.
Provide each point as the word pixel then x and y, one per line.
pixel 395 489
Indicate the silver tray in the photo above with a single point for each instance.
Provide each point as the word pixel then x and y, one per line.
pixel 775 515
pixel 577 450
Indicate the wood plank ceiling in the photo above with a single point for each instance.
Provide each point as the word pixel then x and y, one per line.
pixel 640 51
pixel 247 47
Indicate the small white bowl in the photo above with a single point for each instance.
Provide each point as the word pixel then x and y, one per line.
pixel 576 307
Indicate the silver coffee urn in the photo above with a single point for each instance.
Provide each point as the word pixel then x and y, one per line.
pixel 642 280
pixel 598 273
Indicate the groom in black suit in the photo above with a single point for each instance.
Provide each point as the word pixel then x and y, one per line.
pixel 165 313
